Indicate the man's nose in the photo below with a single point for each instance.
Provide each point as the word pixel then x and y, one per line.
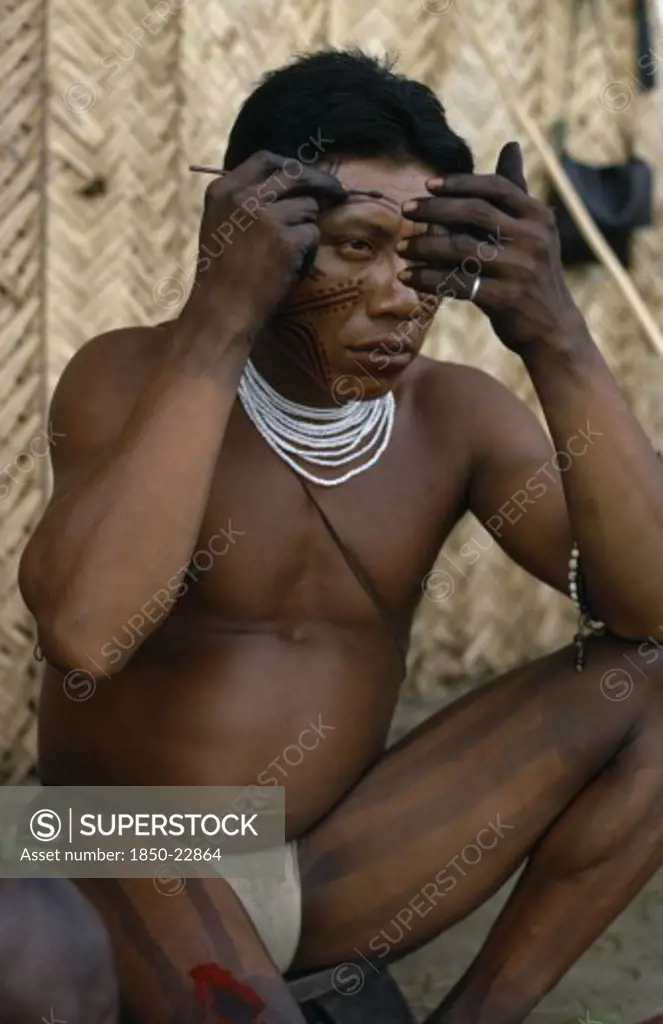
pixel 389 296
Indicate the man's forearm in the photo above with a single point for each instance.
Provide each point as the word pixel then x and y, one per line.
pixel 613 488
pixel 614 491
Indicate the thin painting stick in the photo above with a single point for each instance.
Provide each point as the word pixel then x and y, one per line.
pixel 204 169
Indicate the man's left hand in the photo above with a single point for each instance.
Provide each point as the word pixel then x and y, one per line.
pixel 488 225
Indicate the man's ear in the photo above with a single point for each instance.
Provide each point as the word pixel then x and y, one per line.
pixel 510 165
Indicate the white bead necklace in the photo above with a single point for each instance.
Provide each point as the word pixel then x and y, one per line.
pixel 322 437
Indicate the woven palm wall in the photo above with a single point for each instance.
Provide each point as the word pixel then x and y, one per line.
pixel 103 106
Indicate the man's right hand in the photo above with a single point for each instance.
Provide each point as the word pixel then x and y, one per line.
pixel 261 223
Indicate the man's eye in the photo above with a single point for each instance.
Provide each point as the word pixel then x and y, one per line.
pixel 356 247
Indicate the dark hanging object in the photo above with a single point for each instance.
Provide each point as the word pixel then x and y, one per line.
pixel 647 59
pixel 619 197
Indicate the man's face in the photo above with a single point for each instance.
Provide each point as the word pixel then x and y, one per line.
pixel 351 323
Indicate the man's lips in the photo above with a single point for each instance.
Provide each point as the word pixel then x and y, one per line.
pixel 382 355
pixel 385 344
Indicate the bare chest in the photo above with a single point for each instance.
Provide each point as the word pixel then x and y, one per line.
pixel 264 553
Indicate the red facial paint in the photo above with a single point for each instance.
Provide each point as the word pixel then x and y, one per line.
pixel 210 980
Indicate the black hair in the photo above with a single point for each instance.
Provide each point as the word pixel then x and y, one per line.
pixel 356 105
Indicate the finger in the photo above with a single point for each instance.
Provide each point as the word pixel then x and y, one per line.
pixel 242 180
pixel 303 210
pixel 463 213
pixel 438 281
pixel 277 188
pixel 306 234
pixel 510 165
pixel 492 295
pixel 307 237
pixel 322 186
pixel 252 170
pixel 280 177
pixel 310 254
pixel 501 192
pixel 454 248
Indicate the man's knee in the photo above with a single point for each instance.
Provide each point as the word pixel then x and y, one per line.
pixel 54 953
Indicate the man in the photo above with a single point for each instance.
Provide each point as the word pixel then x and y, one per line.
pixel 247 501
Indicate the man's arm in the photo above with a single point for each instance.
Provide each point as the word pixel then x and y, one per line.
pixel 536 497
pixel 137 427
pixel 136 452
pixel 515 486
pixel 614 490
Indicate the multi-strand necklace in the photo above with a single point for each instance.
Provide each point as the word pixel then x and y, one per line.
pixel 301 434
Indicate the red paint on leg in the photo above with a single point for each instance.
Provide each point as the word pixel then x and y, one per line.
pixel 211 980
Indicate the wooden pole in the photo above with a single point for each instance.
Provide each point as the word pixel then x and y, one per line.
pixel 565 187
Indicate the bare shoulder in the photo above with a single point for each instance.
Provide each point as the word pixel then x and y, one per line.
pixel 485 417
pixel 467 394
pixel 98 390
pixel 110 369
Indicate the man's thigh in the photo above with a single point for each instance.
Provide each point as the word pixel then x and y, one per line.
pixel 448 814
pixel 172 940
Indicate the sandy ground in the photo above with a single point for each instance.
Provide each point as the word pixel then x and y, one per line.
pixel 621 975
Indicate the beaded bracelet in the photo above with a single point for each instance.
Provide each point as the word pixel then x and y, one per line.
pixel 587 626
